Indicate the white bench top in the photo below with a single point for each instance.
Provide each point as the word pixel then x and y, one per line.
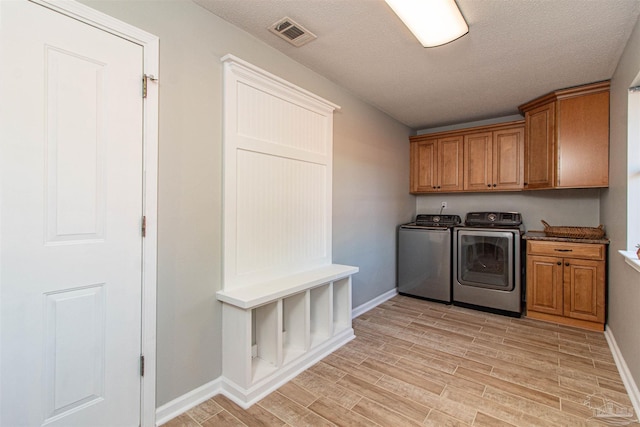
pixel 248 297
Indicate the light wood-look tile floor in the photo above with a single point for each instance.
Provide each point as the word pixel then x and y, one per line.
pixel 418 363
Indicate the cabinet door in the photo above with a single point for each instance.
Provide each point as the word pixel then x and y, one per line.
pixel 478 159
pixel 584 289
pixel 583 141
pixel 450 164
pixel 424 166
pixel 544 285
pixel 508 151
pixel 539 163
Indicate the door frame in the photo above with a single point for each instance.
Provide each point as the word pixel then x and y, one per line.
pixel 150 45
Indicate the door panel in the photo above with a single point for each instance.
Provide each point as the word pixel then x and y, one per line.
pixel 74 349
pixel 477 161
pixel 539 163
pixel 75 138
pixel 70 215
pixel 508 149
pixel 583 141
pixel 583 296
pixel 450 158
pixel 425 166
pixel 544 284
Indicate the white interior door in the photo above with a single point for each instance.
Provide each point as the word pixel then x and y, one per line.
pixel 70 217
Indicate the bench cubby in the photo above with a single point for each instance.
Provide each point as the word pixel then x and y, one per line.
pixel 273 331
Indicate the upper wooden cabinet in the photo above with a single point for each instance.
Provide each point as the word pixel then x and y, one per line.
pixel 493 160
pixel 567 138
pixel 436 164
pixel 562 143
pixel 539 164
pixel 486 158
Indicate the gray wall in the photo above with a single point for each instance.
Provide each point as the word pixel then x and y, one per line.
pixel 624 282
pixel 556 207
pixel 371 177
pixel 370 196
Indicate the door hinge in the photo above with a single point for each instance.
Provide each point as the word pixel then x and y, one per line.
pixel 144 226
pixel 145 79
pixel 141 365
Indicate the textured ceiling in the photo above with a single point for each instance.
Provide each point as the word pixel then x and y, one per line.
pixel 515 51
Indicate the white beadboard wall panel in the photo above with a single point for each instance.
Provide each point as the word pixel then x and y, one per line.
pixel 281 213
pixel 277 177
pixel 280 121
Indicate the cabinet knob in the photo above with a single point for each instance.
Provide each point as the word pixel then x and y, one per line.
pixel 494 185
pixel 567 264
pixel 488 185
pixel 559 263
pixel 434 187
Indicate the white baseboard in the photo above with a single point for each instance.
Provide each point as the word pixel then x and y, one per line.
pixel 363 308
pixel 182 404
pixel 625 374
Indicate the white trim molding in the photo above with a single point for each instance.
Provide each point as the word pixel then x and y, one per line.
pixel 182 404
pixel 629 383
pixel 363 308
pixel 631 258
pixel 151 55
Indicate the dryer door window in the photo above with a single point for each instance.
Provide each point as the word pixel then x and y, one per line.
pixel 485 259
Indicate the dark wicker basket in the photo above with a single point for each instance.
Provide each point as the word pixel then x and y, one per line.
pixel 574 232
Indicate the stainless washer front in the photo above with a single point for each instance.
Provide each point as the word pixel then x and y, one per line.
pixel 487 269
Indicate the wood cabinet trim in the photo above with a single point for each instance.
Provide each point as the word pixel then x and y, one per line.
pixel 462 132
pixel 578 323
pixel 602 86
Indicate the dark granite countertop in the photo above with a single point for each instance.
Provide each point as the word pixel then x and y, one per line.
pixel 540 235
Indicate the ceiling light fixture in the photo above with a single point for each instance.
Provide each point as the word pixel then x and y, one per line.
pixel 433 22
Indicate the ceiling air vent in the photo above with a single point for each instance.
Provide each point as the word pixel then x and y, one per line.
pixel 289 30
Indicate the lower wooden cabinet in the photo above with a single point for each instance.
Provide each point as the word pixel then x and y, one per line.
pixel 566 283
